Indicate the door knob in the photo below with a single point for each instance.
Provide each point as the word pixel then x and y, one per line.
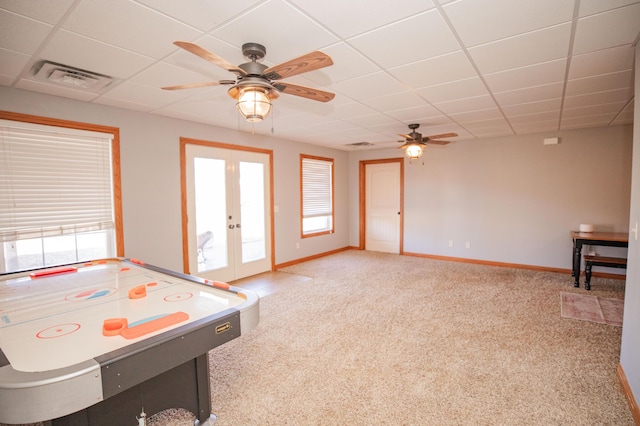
pixel 237 225
pixel 231 226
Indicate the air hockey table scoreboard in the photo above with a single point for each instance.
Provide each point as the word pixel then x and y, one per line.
pixel 95 343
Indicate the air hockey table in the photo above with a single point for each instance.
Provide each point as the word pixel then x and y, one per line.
pixel 98 343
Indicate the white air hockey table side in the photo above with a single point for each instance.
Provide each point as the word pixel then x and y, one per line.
pixel 80 340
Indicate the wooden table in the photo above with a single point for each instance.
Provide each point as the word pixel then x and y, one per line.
pixel 610 239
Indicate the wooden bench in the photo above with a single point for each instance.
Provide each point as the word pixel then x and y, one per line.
pixel 593 260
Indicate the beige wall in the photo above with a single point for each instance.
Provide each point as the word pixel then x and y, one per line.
pixel 629 353
pixel 513 199
pixel 150 161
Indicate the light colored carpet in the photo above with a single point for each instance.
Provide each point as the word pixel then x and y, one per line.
pixel 586 307
pixel 383 339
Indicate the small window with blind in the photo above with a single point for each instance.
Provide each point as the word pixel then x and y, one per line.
pixel 56 196
pixel 317 195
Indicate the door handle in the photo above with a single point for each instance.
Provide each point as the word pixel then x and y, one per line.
pixel 231 226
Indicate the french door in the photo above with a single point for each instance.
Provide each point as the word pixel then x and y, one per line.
pixel 228 211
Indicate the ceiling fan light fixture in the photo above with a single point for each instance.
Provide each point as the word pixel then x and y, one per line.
pixel 413 151
pixel 254 104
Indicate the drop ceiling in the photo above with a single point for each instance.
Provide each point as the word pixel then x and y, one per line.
pixel 480 68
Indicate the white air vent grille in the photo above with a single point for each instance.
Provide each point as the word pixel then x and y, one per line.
pixel 71 77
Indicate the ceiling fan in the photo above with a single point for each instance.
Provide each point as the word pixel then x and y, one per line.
pixel 414 142
pixel 256 85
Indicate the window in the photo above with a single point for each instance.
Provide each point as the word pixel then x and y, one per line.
pixel 317 195
pixel 59 193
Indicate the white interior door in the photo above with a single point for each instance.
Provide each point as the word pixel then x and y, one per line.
pixel 228 208
pixel 382 206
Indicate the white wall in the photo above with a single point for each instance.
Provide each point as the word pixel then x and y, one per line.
pixel 150 163
pixel 630 351
pixel 513 199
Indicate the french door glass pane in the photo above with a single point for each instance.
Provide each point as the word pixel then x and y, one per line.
pixel 252 211
pixel 211 212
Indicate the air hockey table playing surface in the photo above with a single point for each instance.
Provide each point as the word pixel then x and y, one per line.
pixel 77 335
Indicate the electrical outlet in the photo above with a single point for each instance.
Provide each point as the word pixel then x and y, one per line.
pixel 450 243
pixel 297 245
pixel 468 244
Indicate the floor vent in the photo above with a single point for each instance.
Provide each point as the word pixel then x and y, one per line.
pixel 75 78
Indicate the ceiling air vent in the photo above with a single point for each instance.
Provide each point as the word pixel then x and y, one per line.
pixel 360 144
pixel 71 77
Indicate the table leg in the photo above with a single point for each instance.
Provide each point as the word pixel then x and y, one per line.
pixel 577 253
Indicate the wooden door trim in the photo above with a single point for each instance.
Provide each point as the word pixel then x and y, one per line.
pixel 362 195
pixel 183 192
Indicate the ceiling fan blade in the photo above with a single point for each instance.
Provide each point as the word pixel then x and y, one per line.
pixel 194 85
pixel 208 56
pixel 305 92
pixel 436 142
pixel 444 135
pixel 408 137
pixel 305 63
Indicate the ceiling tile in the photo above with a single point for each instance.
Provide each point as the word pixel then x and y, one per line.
pixel 411 42
pixel 347 63
pixel 598 98
pixel 351 110
pixel 124 103
pixel 97 19
pixel 394 101
pixel 358 16
pixel 202 14
pixel 607 29
pixel 91 55
pixel 438 70
pixel 548 116
pixel 586 111
pixel 369 121
pixel 12 63
pixel 55 90
pixel 143 94
pixel 465 105
pixel 530 94
pixel 162 74
pixel 191 62
pixel 601 62
pixel 533 75
pixel 625 116
pixel 415 114
pixel 478 22
pixel 201 106
pixel 20 34
pixel 532 107
pixel 492 123
pixel 477 115
pixel 49 11
pixel 526 49
pixel 536 127
pixel 586 121
pixel 590 7
pixel 454 90
pixel 280 40
pixel 600 83
pixel 368 86
pixel 493 132
pixel 442 64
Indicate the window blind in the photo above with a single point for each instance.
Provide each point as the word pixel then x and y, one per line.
pixel 317 198
pixel 53 181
